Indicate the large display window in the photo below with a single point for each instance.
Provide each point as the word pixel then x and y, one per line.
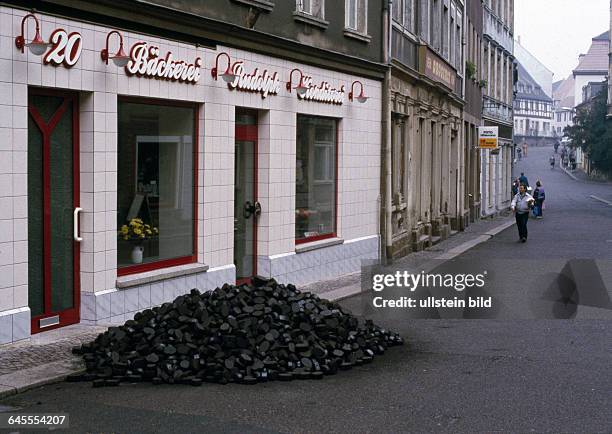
pixel 316 178
pixel 156 194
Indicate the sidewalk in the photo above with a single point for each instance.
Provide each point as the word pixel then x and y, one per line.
pixel 47 357
pixel 476 233
pixel 580 175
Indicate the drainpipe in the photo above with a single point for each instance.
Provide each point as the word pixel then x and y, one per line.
pixel 387 228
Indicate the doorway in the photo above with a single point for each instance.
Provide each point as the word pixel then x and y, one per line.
pixel 53 207
pixel 246 206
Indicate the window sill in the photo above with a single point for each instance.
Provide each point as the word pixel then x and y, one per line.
pixel 259 4
pixel 158 275
pixel 350 33
pixel 309 19
pixel 314 245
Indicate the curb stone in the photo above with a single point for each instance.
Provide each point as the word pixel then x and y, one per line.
pixel 570 174
pixel 26 379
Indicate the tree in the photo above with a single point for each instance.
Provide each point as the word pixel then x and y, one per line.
pixel 593 133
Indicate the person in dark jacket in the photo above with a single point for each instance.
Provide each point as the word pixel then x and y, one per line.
pixel 523 180
pixel 539 196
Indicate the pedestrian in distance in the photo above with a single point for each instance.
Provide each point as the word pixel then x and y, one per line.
pixel 518 153
pixel 515 187
pixel 523 180
pixel 538 196
pixel 521 205
pixel 551 160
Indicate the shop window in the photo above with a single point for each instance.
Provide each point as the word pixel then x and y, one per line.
pixel 316 178
pixel 315 8
pixel 156 181
pixel 356 15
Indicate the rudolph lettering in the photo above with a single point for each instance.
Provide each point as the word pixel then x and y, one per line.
pixel 145 61
pixel 257 81
pixel 322 93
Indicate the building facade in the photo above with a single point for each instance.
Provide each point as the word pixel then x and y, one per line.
pixel 497 64
pixel 533 112
pixel 424 178
pixel 592 66
pixel 472 113
pixel 610 66
pixel 190 147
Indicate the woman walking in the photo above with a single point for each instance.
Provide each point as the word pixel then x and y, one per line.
pixel 521 204
pixel 539 196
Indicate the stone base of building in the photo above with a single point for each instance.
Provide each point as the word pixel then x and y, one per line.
pixel 15 325
pixel 421 237
pixel 459 223
pixel 323 263
pixel 119 305
pixel 440 228
pixel 474 212
pixel 402 245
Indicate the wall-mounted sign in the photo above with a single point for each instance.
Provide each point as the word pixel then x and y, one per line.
pixel 145 62
pixel 487 137
pixel 257 81
pixel 321 93
pixel 65 48
pixel 435 68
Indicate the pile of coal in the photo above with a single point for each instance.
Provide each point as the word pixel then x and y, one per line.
pixel 245 334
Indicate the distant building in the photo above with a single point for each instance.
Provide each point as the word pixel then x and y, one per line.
pixel 563 92
pixel 592 66
pixel 562 117
pixel 563 105
pixel 533 113
pixel 541 74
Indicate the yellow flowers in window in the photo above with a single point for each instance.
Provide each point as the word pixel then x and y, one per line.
pixel 137 230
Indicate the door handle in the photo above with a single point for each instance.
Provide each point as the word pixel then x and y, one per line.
pixel 75 224
pixel 251 209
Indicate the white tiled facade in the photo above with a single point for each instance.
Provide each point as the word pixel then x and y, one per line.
pixel 98 86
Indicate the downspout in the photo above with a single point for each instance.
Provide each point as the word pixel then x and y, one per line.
pixel 387 226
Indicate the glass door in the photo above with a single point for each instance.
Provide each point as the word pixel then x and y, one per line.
pixel 246 207
pixel 53 200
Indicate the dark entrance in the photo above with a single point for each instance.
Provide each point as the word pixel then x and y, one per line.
pixel 246 206
pixel 53 207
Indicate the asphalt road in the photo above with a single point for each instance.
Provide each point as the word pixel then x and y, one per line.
pixel 453 375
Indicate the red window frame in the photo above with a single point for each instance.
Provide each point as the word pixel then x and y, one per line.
pixel 165 263
pixel 334 233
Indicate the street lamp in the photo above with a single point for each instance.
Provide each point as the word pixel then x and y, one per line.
pixel 228 76
pixel 37 46
pixel 300 88
pixel 120 58
pixel 361 97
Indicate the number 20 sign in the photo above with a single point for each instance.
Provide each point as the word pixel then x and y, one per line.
pixel 65 48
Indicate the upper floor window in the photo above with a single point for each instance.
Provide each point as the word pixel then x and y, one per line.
pixel 404 13
pixel 316 8
pixel 356 15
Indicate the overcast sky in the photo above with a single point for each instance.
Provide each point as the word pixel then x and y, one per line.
pixel 556 31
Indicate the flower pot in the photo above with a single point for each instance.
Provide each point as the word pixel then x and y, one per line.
pixel 137 254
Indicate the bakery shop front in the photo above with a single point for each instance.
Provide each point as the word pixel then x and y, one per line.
pixel 142 167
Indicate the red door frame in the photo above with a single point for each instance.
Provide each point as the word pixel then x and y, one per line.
pixel 249 133
pixel 72 315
